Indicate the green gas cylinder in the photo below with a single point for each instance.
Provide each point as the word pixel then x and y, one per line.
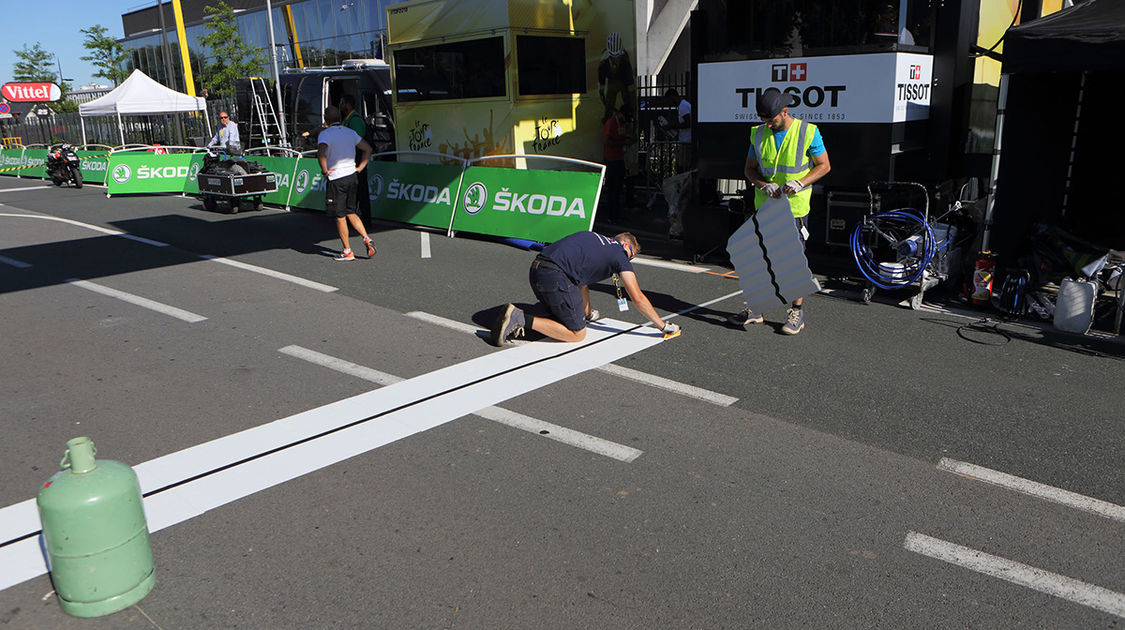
pixel 95 534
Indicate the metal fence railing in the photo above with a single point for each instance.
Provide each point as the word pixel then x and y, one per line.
pixel 166 129
pixel 660 153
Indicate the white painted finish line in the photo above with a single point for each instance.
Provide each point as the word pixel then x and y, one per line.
pixel 182 485
pixel 1061 586
pixel 1035 489
pixel 24 188
pixel 634 375
pixel 513 419
pixel 137 300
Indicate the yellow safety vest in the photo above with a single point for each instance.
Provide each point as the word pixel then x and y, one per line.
pixel 786 164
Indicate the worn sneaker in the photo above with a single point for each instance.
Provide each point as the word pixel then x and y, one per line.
pixel 745 317
pixel 796 322
pixel 370 247
pixel 509 324
pixel 594 315
pixel 345 255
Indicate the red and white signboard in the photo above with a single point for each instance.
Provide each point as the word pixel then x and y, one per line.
pixel 871 88
pixel 31 92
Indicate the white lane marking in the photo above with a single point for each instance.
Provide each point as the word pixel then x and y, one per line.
pixel 673 386
pixel 137 300
pixel 226 261
pixel 445 323
pixel 87 226
pixel 1067 588
pixel 24 188
pixel 496 414
pixel 190 482
pixel 617 370
pixel 312 284
pixel 425 236
pixel 654 262
pixel 18 264
pixel 1035 489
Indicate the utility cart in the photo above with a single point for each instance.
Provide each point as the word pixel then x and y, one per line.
pixel 234 183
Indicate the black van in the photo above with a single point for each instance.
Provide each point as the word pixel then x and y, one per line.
pixel 307 91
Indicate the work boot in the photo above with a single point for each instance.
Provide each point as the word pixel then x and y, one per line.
pixel 509 324
pixel 795 323
pixel 745 317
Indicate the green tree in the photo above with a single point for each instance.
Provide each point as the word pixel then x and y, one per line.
pixel 34 64
pixel 106 54
pixel 233 57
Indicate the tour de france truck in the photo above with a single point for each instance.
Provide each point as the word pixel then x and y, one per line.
pixel 510 77
pixel 306 92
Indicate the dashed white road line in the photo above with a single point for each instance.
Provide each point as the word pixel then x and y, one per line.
pixel 1035 489
pixel 18 264
pixel 312 284
pixel 137 300
pixel 548 430
pixel 47 217
pixel 1061 586
pixel 634 375
pixel 4 190
pixel 425 236
pixel 684 389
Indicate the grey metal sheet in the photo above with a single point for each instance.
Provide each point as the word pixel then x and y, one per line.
pixel 769 259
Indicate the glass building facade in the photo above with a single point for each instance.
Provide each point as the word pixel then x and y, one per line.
pixel 307 33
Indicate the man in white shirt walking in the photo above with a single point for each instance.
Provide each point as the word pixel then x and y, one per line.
pixel 336 149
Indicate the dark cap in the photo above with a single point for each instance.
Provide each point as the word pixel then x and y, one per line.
pixel 771 102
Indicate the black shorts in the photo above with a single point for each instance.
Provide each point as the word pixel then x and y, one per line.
pixel 555 290
pixel 340 195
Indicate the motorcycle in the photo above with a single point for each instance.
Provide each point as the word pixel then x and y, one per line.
pixel 63 165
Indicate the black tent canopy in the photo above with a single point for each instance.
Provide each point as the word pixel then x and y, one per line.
pixel 1062 74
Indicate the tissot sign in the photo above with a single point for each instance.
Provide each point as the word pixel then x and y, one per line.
pixel 31 92
pixel 875 88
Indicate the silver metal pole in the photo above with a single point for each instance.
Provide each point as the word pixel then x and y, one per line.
pixel 276 74
pixel 992 185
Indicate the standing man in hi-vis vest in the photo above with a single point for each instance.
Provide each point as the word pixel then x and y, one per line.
pixel 786 156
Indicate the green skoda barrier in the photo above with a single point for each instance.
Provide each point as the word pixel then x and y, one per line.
pixel 418 194
pixel 307 188
pixel 283 167
pixel 538 205
pixel 94 165
pixel 133 172
pixel 10 162
pixel 33 163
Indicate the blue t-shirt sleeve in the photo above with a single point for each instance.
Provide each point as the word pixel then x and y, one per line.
pixel 817 146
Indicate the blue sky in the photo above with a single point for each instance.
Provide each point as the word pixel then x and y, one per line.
pixel 55 25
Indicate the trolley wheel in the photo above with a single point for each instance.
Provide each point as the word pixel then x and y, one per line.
pixel 248 205
pixel 209 203
pixel 868 293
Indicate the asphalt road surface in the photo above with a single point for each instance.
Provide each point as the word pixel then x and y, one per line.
pixel 335 445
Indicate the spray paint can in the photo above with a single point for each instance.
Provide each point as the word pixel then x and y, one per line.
pixel 982 278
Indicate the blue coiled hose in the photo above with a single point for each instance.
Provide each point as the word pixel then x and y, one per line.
pixel 914 254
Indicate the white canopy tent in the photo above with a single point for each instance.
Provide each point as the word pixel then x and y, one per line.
pixel 139 95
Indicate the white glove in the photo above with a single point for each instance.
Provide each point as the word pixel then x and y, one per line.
pixel 670 329
pixel 772 190
pixel 794 187
pixel 594 315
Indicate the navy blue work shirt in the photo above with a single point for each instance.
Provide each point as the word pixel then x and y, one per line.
pixel 587 257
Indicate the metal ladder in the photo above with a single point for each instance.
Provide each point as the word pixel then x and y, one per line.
pixel 262 104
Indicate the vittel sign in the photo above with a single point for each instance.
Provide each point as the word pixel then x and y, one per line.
pixel 872 88
pixel 31 92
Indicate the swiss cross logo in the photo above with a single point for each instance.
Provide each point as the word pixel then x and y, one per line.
pixel 779 72
pixel 915 72
pixel 798 71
